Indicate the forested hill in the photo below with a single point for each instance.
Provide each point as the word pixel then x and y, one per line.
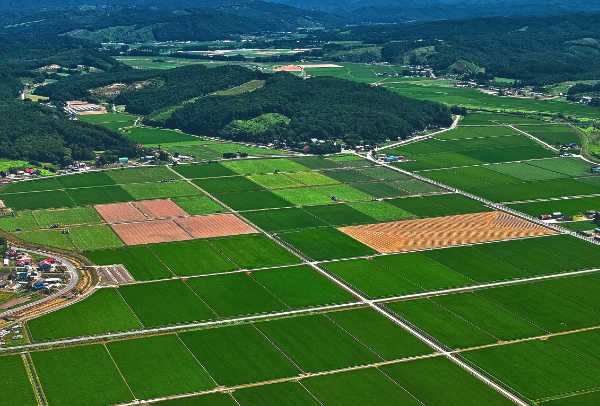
pixel 322 107
pixel 539 50
pixel 128 23
pixel 154 89
pixel 31 131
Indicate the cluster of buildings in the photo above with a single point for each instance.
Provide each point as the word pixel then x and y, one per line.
pixel 28 271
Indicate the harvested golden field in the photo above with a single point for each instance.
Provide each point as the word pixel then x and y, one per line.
pixel 411 235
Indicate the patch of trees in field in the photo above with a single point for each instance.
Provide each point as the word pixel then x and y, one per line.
pixel 324 108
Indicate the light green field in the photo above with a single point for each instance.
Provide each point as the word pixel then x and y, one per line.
pixel 67 217
pixel 443 92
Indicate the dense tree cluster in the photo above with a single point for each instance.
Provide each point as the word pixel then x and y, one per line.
pixel 183 84
pixel 33 131
pixel 324 108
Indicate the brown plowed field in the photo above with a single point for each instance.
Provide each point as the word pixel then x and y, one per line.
pixel 148 232
pixel 218 225
pixel 438 232
pixel 119 212
pixel 160 209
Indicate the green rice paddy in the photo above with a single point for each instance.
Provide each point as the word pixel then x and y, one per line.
pixel 104 311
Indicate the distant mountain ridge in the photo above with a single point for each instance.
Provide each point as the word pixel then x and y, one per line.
pixel 347 11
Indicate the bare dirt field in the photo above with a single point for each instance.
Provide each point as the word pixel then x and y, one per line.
pixel 149 232
pixel 438 232
pixel 218 225
pixel 157 209
pixel 119 212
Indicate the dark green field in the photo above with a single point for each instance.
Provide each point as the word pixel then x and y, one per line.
pixel 189 258
pixel 339 215
pixel 536 369
pixel 238 354
pixel 227 184
pixel 85 180
pixel 103 312
pixel 196 205
pixel 38 200
pixel 32 186
pixel 528 257
pixel 422 271
pixel 378 189
pixel 316 344
pixel 284 219
pixel 165 303
pixel 436 380
pixel 159 366
pixel 475 264
pixel 139 261
pixel 356 388
pixel 545 309
pixel 99 195
pixel 235 294
pixel 372 279
pixel 286 393
pixel 488 317
pixel 441 324
pixel 89 367
pixel 254 251
pixel 12 370
pixel 301 286
pixel 565 206
pixel 326 243
pixel 386 338
pixel 421 207
pixel 252 200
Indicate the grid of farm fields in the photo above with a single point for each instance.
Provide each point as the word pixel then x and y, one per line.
pixel 323 280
